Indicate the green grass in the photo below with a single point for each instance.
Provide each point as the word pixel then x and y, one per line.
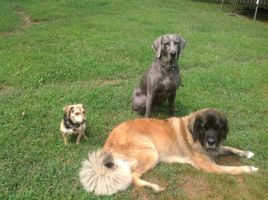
pixel 94 52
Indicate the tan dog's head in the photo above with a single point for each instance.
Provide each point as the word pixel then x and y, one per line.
pixel 209 127
pixel 75 113
pixel 169 47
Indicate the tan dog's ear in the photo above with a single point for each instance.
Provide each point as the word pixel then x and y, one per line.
pixel 190 125
pixel 182 44
pixel 157 46
pixel 194 126
pixel 224 126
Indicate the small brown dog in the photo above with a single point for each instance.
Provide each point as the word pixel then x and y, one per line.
pixel 73 122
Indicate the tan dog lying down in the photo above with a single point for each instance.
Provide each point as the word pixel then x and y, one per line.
pixel 136 146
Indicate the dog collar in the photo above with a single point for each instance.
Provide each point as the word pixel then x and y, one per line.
pixel 69 124
pixel 172 67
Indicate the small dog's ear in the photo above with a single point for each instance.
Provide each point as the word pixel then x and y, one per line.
pixel 182 45
pixel 194 127
pixel 66 109
pixel 157 46
pixel 83 108
pixel 80 105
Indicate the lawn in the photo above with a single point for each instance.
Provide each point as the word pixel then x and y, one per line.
pixel 94 52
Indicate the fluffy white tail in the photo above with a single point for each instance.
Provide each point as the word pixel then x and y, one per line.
pixel 102 174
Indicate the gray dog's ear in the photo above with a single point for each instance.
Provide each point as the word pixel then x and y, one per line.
pixel 157 46
pixel 182 44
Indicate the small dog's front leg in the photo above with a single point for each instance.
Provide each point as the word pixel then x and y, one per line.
pixel 80 134
pixel 225 150
pixel 84 135
pixel 65 138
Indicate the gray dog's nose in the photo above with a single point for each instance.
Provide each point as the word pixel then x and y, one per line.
pixel 173 52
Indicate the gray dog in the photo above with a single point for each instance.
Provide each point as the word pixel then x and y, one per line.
pixel 162 79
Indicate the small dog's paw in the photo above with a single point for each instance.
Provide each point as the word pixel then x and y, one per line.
pixel 249 154
pixel 253 169
pixel 161 189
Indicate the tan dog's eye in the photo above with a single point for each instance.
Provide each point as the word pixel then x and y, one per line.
pixel 204 127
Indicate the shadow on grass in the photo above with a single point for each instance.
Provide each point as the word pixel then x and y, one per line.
pixel 181 110
pixel 241 10
pixel 262 14
pixel 229 160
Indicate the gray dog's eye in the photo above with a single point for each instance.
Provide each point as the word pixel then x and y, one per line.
pixel 166 44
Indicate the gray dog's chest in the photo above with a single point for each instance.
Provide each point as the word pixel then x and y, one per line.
pixel 168 84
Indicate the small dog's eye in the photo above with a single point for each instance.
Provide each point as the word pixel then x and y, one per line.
pixel 84 112
pixel 166 44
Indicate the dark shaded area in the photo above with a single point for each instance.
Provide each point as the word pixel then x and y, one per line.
pixel 262 14
pixel 228 160
pixel 243 8
pixel 262 3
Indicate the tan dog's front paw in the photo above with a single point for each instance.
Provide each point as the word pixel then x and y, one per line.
pixel 249 154
pixel 253 169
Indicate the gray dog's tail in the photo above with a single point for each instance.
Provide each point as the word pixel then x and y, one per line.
pixel 102 174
